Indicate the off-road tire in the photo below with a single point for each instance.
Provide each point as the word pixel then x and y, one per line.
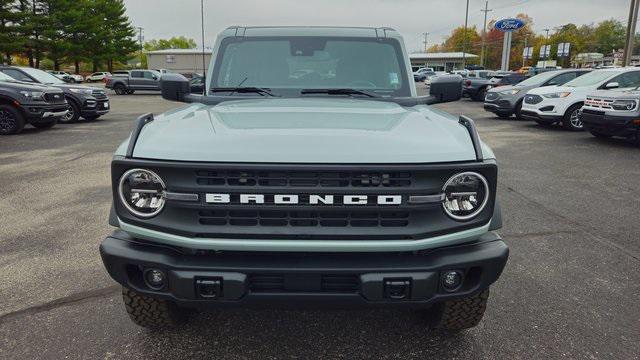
pixel 152 313
pixel 599 135
pixel 568 121
pixel 129 92
pixel 11 120
pixel 459 314
pixel 45 124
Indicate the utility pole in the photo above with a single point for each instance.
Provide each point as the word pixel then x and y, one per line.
pixel 464 38
pixel 204 70
pixel 631 31
pixel 140 30
pixel 484 31
pixel 544 53
pixel 426 35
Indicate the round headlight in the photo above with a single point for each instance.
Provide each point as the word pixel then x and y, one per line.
pixel 142 192
pixel 466 194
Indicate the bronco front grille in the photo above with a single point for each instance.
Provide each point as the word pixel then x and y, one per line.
pixel 280 218
pixel 220 212
pixel 304 178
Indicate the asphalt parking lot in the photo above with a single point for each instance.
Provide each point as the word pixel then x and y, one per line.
pixel 570 289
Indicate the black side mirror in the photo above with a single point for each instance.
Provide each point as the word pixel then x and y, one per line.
pixel 446 88
pixel 174 87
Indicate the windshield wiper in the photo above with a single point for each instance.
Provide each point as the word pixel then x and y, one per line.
pixel 243 90
pixel 339 92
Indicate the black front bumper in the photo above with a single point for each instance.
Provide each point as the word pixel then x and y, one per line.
pixel 601 122
pixel 97 108
pixel 306 279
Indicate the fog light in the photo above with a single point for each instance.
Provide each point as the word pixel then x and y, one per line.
pixel 154 278
pixel 452 280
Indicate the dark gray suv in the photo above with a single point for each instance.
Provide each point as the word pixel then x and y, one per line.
pixel 505 101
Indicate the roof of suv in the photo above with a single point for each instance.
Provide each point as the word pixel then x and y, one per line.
pixel 381 32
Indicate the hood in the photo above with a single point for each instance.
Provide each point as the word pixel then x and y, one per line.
pixel 66 87
pixel 25 86
pixel 631 93
pixel 311 130
pixel 550 89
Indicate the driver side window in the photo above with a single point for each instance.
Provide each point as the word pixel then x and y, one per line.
pixel 18 75
pixel 626 80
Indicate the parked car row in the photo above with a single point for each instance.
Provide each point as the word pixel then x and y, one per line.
pixel 77 78
pixel 605 102
pixel 476 87
pixel 36 97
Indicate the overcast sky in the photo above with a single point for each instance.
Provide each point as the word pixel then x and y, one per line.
pixel 167 18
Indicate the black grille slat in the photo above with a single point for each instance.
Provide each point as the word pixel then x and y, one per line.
pixel 349 283
pixel 282 218
pixel 304 179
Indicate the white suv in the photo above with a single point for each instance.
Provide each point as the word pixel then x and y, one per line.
pixel 97 76
pixel 562 104
pixel 75 78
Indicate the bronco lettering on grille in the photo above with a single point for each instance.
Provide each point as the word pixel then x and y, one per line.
pixel 292 199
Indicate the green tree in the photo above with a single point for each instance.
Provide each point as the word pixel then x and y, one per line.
pixel 609 35
pixel 112 38
pixel 11 42
pixel 176 42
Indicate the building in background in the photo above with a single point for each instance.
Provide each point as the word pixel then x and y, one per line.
pixel 447 61
pixel 179 60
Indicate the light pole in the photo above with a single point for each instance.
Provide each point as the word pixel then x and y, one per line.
pixel 140 30
pixel 484 32
pixel 464 38
pixel 426 36
pixel 544 53
pixel 204 70
pixel 631 31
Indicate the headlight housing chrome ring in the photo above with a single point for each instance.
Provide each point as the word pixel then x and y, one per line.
pixel 142 192
pixel 465 195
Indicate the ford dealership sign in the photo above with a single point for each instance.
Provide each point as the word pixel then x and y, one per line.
pixel 509 24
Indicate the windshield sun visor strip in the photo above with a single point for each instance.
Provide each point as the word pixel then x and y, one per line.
pixel 140 123
pixel 473 132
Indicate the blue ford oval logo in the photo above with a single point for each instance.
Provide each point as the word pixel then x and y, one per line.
pixel 509 24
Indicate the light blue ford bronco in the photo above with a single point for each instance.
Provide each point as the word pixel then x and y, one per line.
pixel 308 174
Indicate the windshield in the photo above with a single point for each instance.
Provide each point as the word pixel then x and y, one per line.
pixel 592 78
pixel 538 79
pixel 42 76
pixel 288 65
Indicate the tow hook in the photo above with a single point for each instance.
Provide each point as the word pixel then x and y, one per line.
pixel 209 288
pixel 397 289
